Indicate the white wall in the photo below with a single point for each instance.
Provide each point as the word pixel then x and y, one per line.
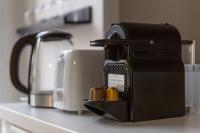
pixel 11 17
pixel 184 14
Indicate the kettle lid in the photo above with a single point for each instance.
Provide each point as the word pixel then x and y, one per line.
pixel 53 35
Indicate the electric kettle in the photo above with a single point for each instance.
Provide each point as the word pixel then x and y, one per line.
pixel 46 47
pixel 77 71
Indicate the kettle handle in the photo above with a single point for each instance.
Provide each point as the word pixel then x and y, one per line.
pixel 14 63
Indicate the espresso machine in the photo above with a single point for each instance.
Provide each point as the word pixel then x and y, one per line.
pixel 143 61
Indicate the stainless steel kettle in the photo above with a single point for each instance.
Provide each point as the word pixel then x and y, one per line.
pixel 46 47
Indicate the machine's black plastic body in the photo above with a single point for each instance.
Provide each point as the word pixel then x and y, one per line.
pixel 149 57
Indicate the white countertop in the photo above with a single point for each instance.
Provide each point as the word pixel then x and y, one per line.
pixel 40 120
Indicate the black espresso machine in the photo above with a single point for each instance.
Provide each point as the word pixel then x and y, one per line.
pixel 144 61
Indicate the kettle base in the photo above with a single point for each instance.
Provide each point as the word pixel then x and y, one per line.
pixel 41 100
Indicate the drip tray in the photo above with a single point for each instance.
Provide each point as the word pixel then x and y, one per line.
pixel 115 109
